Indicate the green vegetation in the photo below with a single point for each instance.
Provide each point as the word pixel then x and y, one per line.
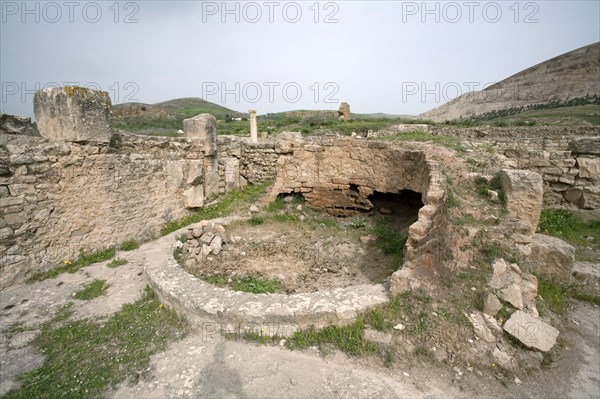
pixel 248 283
pixel 348 339
pixel 358 223
pixel 390 242
pixel 116 263
pixel 483 186
pixel 225 206
pixel 256 220
pixel 286 217
pixel 72 267
pixel 277 205
pixel 553 296
pixel 255 285
pixel 92 290
pixel 129 245
pixel 83 359
pixel 569 227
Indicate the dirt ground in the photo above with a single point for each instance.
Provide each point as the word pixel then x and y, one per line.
pixel 219 368
pixel 311 255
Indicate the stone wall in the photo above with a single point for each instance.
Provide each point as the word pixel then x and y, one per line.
pixel 57 197
pixel 568 158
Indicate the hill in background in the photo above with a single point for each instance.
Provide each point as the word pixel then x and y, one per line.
pixel 569 80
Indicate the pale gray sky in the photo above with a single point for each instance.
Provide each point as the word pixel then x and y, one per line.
pixel 399 57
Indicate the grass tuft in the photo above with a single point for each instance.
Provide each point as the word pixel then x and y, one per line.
pixel 116 263
pixel 72 267
pixel 92 290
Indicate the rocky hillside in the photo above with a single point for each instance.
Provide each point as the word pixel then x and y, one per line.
pixel 569 79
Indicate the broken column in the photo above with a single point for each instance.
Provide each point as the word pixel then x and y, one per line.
pixel 253 128
pixel 73 113
pixel 204 127
pixel 524 193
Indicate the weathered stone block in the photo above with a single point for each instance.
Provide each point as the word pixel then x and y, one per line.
pixel 531 331
pixel 194 197
pixel 524 192
pixel 551 258
pixel 203 127
pixel 73 113
pixel 589 168
pixel 585 145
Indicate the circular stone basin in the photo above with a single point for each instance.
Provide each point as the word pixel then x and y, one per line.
pixel 212 308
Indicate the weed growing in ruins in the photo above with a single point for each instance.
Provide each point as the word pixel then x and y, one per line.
pixel 286 217
pixel 348 339
pixel 83 358
pixel 92 290
pixel 277 205
pixel 256 220
pixel 71 267
pixel 255 285
pixel 116 263
pixel 248 283
pixel 129 245
pixel 567 226
pixel 390 241
pixel 358 223
pixel 226 205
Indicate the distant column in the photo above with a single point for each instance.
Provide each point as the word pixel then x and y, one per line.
pixel 253 128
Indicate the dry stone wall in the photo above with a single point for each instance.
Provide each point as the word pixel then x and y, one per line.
pixel 58 197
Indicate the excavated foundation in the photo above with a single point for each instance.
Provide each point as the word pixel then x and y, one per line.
pixel 342 178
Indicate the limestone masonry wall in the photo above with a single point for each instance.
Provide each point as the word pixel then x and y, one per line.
pixel 56 198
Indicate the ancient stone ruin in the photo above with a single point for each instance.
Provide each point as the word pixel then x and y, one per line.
pixel 84 186
pixel 344 111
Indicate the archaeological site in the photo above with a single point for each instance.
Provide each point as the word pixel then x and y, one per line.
pixel 308 253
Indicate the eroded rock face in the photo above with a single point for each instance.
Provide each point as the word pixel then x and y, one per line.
pixel 13 124
pixel 551 257
pixel 524 193
pixel 73 113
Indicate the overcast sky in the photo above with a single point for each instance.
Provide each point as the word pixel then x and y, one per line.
pixel 398 57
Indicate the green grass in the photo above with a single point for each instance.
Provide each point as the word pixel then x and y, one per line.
pixel 554 296
pixel 224 207
pixel 569 227
pixel 129 245
pixel 277 205
pixel 116 263
pixel 286 217
pixel 248 283
pixel 256 220
pixel 255 285
pixel 390 241
pixel 92 290
pixel 348 339
pixel 83 359
pixel 72 267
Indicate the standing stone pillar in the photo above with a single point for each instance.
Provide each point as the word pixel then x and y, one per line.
pixel 73 113
pixel 253 128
